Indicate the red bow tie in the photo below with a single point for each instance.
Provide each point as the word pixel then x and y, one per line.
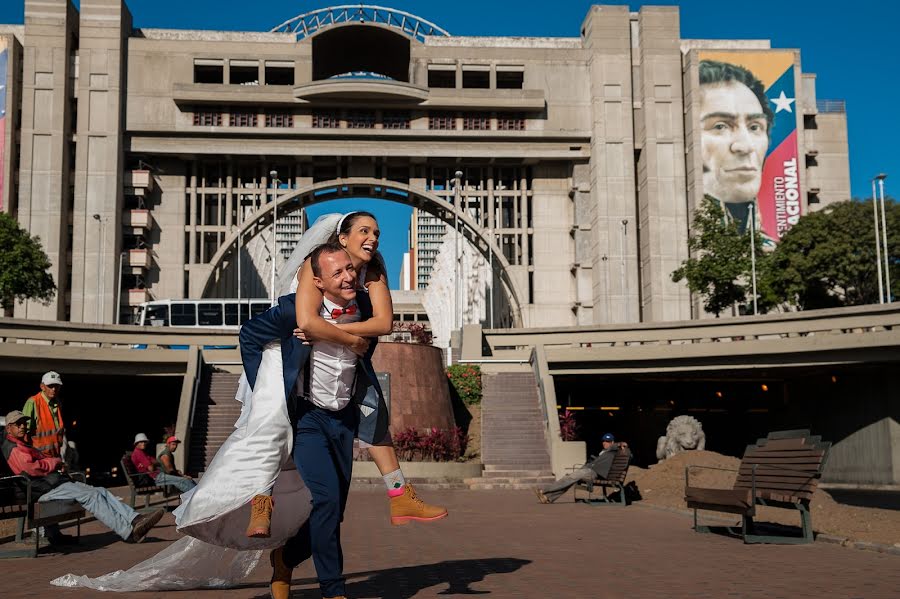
pixel 335 313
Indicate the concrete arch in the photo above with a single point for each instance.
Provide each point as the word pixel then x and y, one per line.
pixel 366 187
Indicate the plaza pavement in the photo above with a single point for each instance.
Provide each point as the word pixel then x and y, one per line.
pixel 505 544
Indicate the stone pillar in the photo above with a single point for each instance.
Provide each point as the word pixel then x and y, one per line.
pixel 169 216
pixel 9 141
pixel 661 193
pixel 613 222
pixel 45 197
pixel 99 160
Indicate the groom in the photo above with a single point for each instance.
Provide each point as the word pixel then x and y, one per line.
pixel 332 392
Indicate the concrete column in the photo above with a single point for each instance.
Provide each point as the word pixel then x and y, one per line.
pixel 9 142
pixel 99 160
pixel 45 198
pixel 607 36
pixel 661 193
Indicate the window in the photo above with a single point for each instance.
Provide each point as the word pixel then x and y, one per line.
pixel 231 314
pixel 395 120
pixel 243 72
pixel 242 118
pixel 279 72
pixel 184 315
pixel 442 76
pixel 510 77
pixel 207 119
pixel 325 120
pixel 279 119
pixel 510 122
pixel 257 308
pixel 209 315
pixel 476 77
pixel 157 316
pixel 476 122
pixel 441 121
pixel 360 119
pixel 208 70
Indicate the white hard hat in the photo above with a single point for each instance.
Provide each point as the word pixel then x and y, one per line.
pixel 140 437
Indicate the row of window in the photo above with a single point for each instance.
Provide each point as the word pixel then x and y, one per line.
pixel 242 118
pixel 244 72
pixel 364 119
pixel 475 77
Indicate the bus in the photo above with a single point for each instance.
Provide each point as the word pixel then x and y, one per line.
pixel 204 313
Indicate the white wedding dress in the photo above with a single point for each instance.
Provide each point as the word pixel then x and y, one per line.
pixel 256 458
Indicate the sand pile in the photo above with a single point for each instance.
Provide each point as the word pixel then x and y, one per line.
pixel 663 484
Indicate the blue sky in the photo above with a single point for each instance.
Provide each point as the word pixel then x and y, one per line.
pixel 848 45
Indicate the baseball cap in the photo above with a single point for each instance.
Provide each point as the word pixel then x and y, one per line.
pixel 51 378
pixel 173 439
pixel 608 437
pixel 14 417
pixel 140 437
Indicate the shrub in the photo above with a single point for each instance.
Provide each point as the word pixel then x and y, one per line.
pixel 568 427
pixel 435 445
pixel 466 380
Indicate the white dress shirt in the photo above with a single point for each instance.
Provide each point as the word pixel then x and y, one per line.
pixel 332 366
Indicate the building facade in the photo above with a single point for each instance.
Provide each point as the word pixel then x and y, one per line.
pixel 142 157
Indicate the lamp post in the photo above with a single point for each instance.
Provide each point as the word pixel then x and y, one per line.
pixel 624 273
pixel 273 175
pixel 122 257
pixel 877 245
pixel 101 222
pixel 884 239
pixel 457 307
pixel 753 253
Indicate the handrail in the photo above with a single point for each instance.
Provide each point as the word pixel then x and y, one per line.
pixel 187 404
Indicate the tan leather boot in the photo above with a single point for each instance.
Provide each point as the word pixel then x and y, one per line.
pixel 280 585
pixel 260 517
pixel 408 507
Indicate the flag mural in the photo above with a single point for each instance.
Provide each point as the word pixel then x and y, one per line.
pixel 4 70
pixel 748 134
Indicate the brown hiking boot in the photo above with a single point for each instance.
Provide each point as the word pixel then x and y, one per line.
pixel 260 517
pixel 141 525
pixel 540 495
pixel 280 585
pixel 408 506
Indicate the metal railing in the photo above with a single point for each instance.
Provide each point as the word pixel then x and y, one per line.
pixel 309 23
pixel 827 106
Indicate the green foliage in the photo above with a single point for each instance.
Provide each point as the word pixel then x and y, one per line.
pixel 466 380
pixel 23 266
pixel 721 266
pixel 828 258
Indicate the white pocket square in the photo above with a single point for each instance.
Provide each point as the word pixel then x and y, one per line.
pixel 366 410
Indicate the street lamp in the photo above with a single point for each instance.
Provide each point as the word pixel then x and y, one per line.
pixel 101 222
pixel 622 247
pixel 457 308
pixel 122 256
pixel 877 245
pixel 753 253
pixel 884 240
pixel 273 175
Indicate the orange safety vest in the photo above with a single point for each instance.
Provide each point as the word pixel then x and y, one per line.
pixel 48 438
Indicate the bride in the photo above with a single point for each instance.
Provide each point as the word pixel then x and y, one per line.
pixel 254 463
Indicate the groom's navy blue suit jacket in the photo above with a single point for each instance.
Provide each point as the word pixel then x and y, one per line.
pixel 279 322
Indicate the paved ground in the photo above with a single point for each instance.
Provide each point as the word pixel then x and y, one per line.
pixel 505 544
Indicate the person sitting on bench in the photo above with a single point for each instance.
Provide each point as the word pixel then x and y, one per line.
pixel 49 481
pixel 597 467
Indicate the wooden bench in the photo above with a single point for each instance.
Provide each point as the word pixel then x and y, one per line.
pixel 615 481
pixel 16 501
pixel 781 470
pixel 140 483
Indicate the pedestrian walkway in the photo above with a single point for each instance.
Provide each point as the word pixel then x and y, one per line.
pixel 506 544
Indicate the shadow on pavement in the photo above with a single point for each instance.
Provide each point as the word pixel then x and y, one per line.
pixel 886 500
pixel 406 582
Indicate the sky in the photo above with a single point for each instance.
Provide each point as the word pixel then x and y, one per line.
pixel 848 45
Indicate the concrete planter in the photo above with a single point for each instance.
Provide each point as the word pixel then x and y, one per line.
pixel 429 470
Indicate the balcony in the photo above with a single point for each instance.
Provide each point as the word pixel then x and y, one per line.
pixel 139 258
pixel 138 219
pixel 138 296
pixel 361 89
pixel 138 182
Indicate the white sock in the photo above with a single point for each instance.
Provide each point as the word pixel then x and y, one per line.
pixel 394 480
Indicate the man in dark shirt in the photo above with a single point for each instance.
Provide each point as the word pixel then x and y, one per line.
pixel 597 467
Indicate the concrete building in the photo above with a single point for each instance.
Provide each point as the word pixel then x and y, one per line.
pixel 143 155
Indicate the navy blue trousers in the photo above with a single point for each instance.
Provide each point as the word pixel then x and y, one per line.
pixel 323 452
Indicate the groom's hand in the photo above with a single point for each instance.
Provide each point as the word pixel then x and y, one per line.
pixel 360 346
pixel 299 334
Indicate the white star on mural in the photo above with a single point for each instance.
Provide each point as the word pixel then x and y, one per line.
pixel 782 102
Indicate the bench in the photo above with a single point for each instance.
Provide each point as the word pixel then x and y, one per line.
pixel 615 481
pixel 16 501
pixel 781 470
pixel 141 483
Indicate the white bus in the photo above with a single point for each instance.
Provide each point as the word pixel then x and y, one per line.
pixel 205 313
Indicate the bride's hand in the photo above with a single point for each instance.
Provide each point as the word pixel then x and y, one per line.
pixel 360 346
pixel 299 334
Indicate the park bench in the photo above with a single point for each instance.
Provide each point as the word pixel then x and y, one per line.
pixel 614 481
pixel 18 502
pixel 141 483
pixel 781 470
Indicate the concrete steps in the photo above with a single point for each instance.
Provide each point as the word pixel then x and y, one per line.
pixel 513 438
pixel 215 413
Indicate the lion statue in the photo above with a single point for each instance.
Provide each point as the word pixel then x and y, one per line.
pixel 682 434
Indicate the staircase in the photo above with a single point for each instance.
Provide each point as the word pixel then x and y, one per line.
pixel 513 438
pixel 215 413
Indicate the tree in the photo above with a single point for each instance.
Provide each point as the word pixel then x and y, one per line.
pixel 829 259
pixel 720 269
pixel 23 266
